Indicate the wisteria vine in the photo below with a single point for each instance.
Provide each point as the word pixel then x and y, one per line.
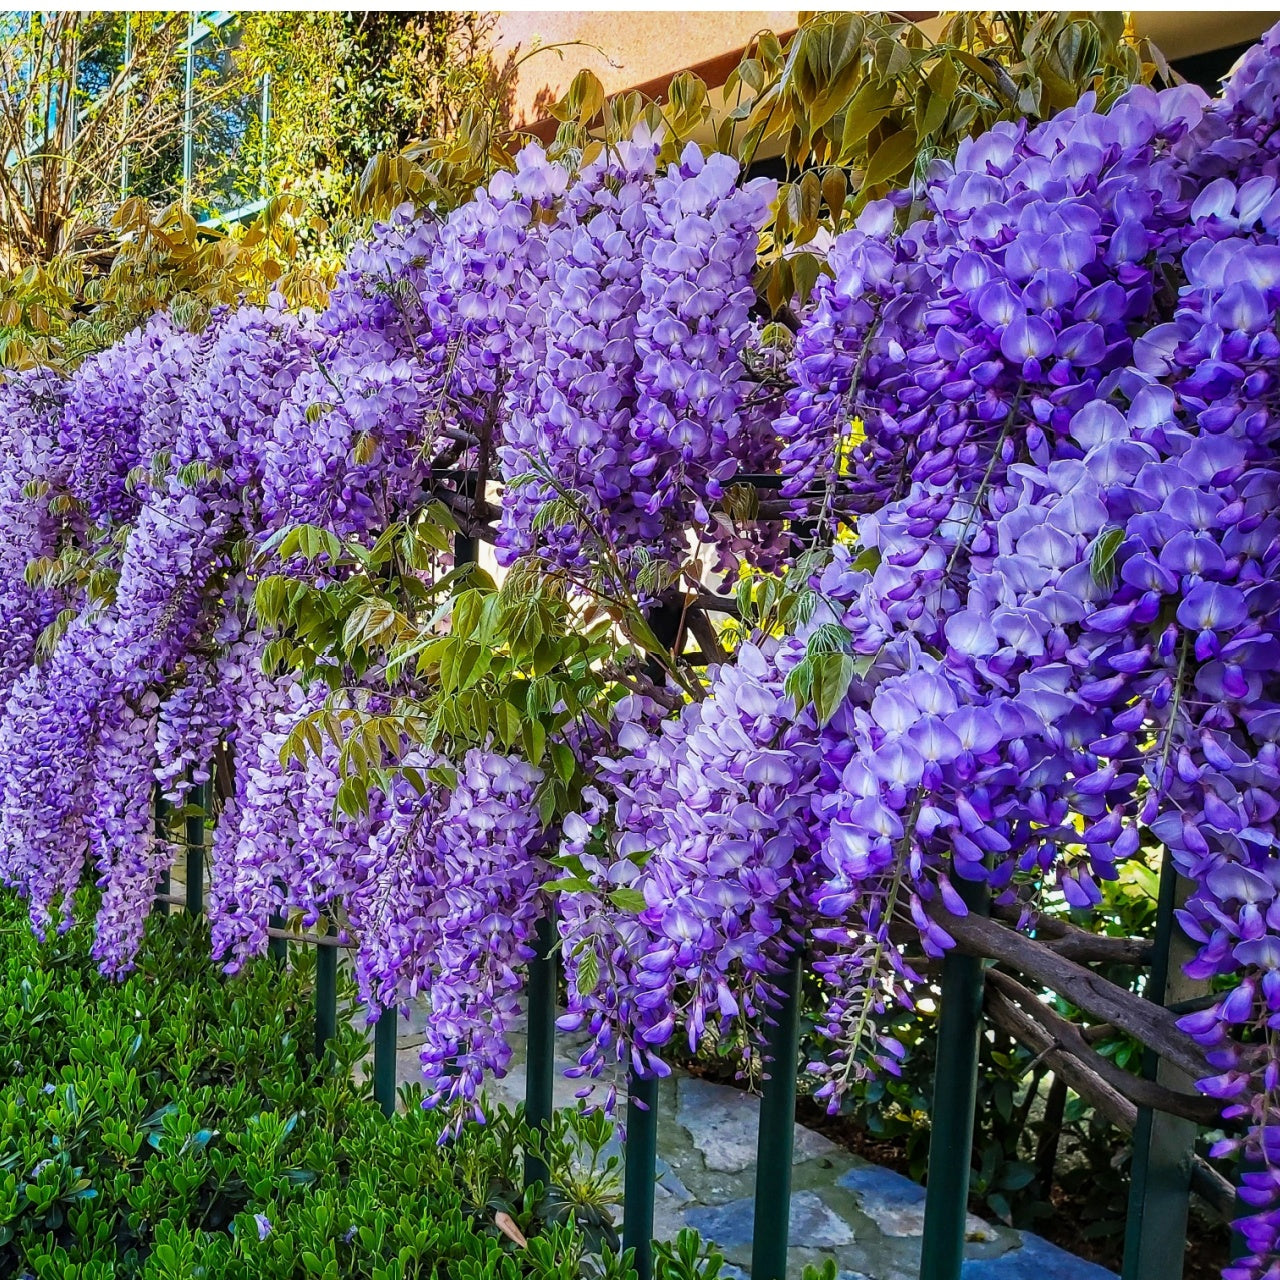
pixel 1031 413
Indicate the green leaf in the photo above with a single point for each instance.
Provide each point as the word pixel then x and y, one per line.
pixel 843 47
pixel 835 189
pixel 830 637
pixel 546 806
pixel 452 659
pixel 1015 1176
pixel 629 900
pixel 564 760
pixel 443 776
pixel 506 723
pixel 570 884
pixel 467 612
pixel 805 267
pixel 868 108
pixel 535 742
pixel 353 796
pixel 588 978
pixel 583 101
pixel 833 673
pixel 893 155
pixel 810 189
pixel 891 57
pixel 1102 557
pixel 798 685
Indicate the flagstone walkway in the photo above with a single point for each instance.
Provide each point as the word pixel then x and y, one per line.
pixel 867 1218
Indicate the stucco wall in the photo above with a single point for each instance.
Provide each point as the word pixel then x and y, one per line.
pixel 630 47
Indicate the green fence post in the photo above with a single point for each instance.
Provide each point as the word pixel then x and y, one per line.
pixel 1163 1145
pixel 771 1233
pixel 278 948
pixel 955 1091
pixel 384 1059
pixel 195 849
pixel 326 994
pixel 162 835
pixel 541 1045
pixel 641 1170
pixel 466 549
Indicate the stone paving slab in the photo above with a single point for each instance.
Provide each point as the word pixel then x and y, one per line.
pixel 723 1124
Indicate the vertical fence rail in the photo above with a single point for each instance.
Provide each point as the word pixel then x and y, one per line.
pixel 197 807
pixel 541 1045
pixel 161 811
pixel 1163 1145
pixel 278 948
pixel 326 995
pixel 641 1171
pixel 771 1236
pixel 384 1059
pixel 955 1092
pixel 641 1146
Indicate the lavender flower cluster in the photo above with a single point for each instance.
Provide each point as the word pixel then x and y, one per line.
pixel 626 396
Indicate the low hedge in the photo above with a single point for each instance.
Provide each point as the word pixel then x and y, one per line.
pixel 177 1125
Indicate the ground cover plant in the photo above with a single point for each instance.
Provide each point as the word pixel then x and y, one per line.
pixel 178 1124
pixel 1010 621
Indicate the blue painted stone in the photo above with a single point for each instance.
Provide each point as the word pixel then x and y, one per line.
pixel 729 1225
pixel 814 1224
pixel 896 1204
pixel 884 1186
pixel 1035 1259
pixel 669 1181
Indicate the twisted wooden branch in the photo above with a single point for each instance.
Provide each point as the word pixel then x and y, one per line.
pixel 1150 1024
pixel 1069 940
pixel 1068 1039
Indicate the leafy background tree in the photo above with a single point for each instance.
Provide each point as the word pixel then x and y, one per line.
pixel 91 123
pixel 373 108
pixel 348 86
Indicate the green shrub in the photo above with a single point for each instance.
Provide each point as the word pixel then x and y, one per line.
pixel 177 1125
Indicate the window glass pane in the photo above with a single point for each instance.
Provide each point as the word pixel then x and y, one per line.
pixel 227 151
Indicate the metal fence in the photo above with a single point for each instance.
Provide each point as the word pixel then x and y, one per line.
pixel 1164 1165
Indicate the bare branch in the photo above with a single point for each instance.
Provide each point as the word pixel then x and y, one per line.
pixel 1011 1018
pixel 704 633
pixel 1147 1022
pixel 1067 1037
pixel 1069 940
pixel 712 603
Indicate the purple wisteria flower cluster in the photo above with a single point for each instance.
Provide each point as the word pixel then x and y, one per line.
pixel 29 409
pixel 627 395
pixel 1034 411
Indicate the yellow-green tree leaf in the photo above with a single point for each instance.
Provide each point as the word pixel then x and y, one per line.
pixel 892 156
